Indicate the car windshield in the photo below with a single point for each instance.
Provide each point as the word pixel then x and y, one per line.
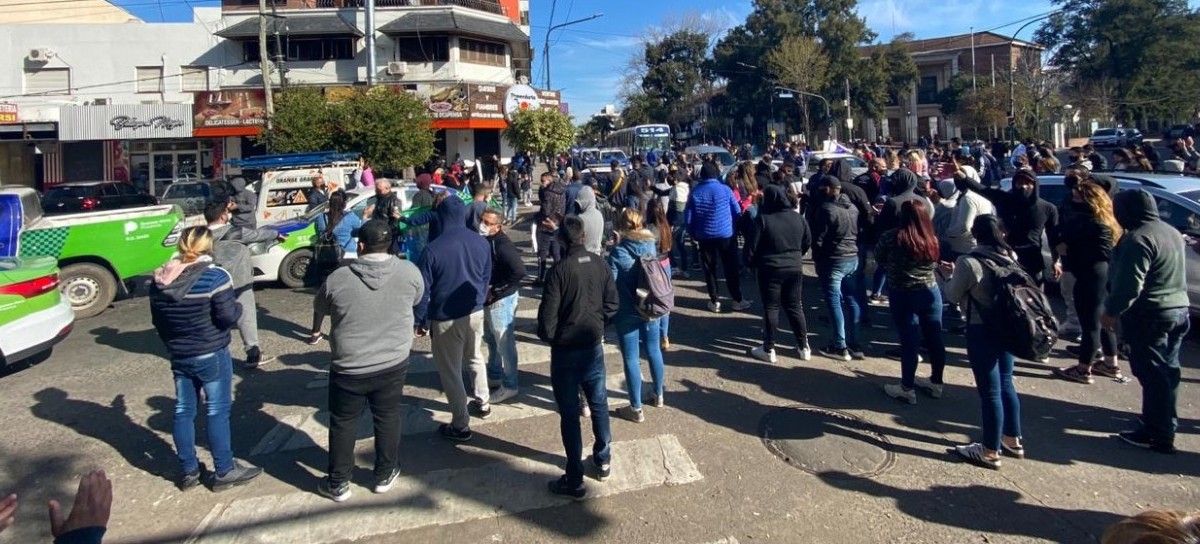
pixel 612 155
pixel 66 193
pixel 1105 132
pixel 1193 195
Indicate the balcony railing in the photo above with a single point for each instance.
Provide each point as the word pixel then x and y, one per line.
pixel 489 6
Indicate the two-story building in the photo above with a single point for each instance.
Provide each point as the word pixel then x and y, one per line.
pixel 992 57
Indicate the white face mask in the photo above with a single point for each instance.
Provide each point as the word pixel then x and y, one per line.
pixel 484 230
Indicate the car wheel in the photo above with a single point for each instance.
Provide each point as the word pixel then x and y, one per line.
pixel 90 288
pixel 293 271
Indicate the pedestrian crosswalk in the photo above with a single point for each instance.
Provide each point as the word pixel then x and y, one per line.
pixel 442 497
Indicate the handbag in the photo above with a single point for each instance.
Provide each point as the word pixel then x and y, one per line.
pixel 328 253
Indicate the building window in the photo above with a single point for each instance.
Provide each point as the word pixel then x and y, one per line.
pixel 304 49
pixel 149 79
pixel 43 81
pixel 927 90
pixel 193 78
pixel 477 52
pixel 524 17
pixel 423 49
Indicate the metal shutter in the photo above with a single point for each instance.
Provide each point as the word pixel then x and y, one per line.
pixel 42 81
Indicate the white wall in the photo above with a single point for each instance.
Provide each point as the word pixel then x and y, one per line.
pixel 103 59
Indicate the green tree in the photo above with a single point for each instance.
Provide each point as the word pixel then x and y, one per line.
pixel 676 74
pixel 977 108
pixel 546 132
pixel 302 122
pixel 596 129
pixel 390 128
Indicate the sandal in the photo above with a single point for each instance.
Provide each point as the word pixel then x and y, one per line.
pixel 1108 371
pixel 975 454
pixel 1017 451
pixel 1075 374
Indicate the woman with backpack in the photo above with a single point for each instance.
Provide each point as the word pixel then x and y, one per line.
pixel 775 247
pixel 634 330
pixel 909 255
pixel 974 287
pixel 660 228
pixel 1086 247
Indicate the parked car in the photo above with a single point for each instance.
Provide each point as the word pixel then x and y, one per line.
pixel 94 196
pixel 722 156
pixel 1133 136
pixel 857 165
pixel 1107 137
pixel 1178 131
pixel 34 316
pixel 609 155
pixel 192 196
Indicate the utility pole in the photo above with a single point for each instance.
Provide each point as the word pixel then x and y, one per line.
pixel 972 59
pixel 264 63
pixel 280 56
pixel 849 120
pixel 371 66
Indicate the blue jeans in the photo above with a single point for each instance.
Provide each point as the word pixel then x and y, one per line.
pixel 510 207
pixel 664 322
pixel 993 369
pixel 633 332
pixel 860 278
pixel 500 335
pixel 214 374
pixel 837 282
pixel 1154 340
pixel 918 315
pixel 571 369
pixel 879 282
pixel 679 249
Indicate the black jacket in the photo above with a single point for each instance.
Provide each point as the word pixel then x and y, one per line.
pixel 507 268
pixel 1026 218
pixel 904 184
pixel 1089 241
pixel 579 298
pixel 193 308
pixel 778 237
pixel 835 231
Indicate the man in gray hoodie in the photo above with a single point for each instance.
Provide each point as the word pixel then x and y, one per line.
pixel 593 220
pixel 371 302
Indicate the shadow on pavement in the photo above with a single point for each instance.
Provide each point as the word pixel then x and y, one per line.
pixel 144 342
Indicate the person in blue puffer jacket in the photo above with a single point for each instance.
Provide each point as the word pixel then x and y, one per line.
pixel 193 308
pixel 709 215
pixel 634 330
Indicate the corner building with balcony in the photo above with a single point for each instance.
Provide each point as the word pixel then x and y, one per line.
pixel 462 57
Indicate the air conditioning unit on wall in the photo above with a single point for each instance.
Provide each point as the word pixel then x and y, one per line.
pixel 395 68
pixel 40 54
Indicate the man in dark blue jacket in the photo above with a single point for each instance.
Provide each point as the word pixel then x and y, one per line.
pixel 710 213
pixel 835 251
pixel 457 268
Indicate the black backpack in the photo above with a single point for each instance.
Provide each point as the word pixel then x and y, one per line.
pixel 1021 318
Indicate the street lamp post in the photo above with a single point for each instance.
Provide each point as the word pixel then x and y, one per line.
pixel 782 88
pixel 546 45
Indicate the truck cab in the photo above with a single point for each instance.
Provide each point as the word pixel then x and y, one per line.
pixel 286 181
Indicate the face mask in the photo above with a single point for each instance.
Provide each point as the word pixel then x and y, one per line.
pixel 485 230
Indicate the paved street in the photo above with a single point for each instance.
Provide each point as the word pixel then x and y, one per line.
pixel 866 469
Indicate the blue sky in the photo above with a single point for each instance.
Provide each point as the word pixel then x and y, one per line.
pixel 589 58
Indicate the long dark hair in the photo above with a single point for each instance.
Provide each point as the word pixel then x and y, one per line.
pixel 915 233
pixel 337 207
pixel 655 215
pixel 989 230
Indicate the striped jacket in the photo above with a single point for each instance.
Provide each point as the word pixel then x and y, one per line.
pixel 193 307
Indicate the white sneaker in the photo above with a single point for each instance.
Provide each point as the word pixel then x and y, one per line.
pixel 763 355
pixel 934 389
pixel 742 305
pixel 502 394
pixel 805 353
pixel 897 392
pixel 714 307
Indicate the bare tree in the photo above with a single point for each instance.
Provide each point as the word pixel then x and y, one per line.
pixel 801 64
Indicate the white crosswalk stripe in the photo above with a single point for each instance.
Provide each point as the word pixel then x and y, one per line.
pixel 439 498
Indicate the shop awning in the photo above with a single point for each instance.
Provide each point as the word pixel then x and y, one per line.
pixel 454 22
pixel 293 25
pixel 468 124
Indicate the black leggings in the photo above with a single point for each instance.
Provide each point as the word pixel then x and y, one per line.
pixel 1091 287
pixel 781 289
pixel 724 250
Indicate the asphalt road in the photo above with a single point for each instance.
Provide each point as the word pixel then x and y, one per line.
pixel 697 471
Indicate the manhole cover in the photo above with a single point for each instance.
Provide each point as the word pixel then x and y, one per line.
pixel 826 442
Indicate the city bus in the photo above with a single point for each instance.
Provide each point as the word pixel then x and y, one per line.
pixel 640 139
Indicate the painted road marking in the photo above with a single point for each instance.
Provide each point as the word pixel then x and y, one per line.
pixel 311 428
pixel 439 498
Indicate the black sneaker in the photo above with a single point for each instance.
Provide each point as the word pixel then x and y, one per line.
pixel 255 358
pixel 238 475
pixel 1143 440
pixel 338 493
pixel 450 433
pixel 561 487
pixel 479 410
pixel 841 354
pixel 385 484
pixel 188 481
pixel 603 470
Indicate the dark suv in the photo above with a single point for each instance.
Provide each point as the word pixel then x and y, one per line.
pixel 94 196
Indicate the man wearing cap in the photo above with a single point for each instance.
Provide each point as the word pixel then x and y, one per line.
pixel 371 302
pixel 710 213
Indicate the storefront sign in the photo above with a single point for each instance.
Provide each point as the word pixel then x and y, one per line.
pixel 448 102
pixel 487 101
pixel 521 98
pixel 230 109
pixel 125 122
pixel 8 112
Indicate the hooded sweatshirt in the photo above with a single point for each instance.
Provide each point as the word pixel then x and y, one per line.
pixel 247 205
pixel 457 268
pixel 193 307
pixel 779 237
pixel 1026 217
pixel 835 231
pixel 593 220
pixel 1148 272
pixel 971 204
pixel 623 264
pixel 904 185
pixel 370 302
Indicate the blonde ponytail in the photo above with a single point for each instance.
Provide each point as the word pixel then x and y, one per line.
pixel 194 242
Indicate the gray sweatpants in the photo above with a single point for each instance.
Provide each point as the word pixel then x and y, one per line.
pixel 454 342
pixel 248 323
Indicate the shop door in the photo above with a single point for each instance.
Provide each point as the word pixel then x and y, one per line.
pixel 168 167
